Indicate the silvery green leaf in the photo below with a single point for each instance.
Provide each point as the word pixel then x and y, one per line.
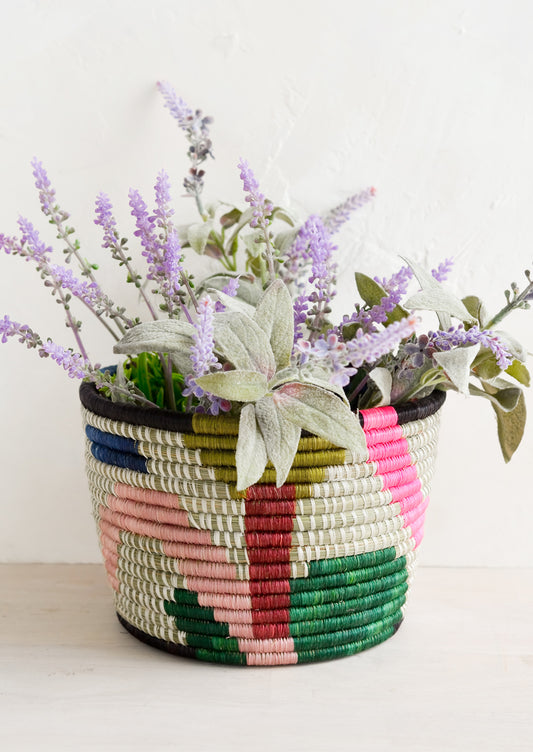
pixel 243 343
pixel 198 234
pixel 322 413
pixel 505 397
pixel 278 212
pixel 307 375
pixel 182 362
pixel 434 297
pixel 519 372
pixel 284 240
pixel 250 456
pixel 477 309
pixel 253 242
pixel 281 436
pixel 157 336
pixel 456 364
pixel 238 386
pixel 382 378
pixel 511 426
pixel 231 303
pixel 275 316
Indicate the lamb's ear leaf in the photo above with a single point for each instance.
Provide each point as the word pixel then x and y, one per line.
pixel 504 398
pixel 231 303
pixel 243 343
pixel 198 235
pixel 435 297
pixel 275 316
pixel 519 372
pixel 281 436
pixel 157 336
pixel 477 309
pixel 237 386
pixel 251 455
pixel 456 364
pixel 382 378
pixel 511 426
pixel 322 413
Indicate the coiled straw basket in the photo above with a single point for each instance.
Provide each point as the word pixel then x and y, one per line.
pixel 316 569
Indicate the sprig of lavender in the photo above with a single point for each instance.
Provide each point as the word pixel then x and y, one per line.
pixel 459 336
pixel 196 128
pixel 204 359
pixel 515 299
pixel 262 210
pixel 334 220
pixel 118 246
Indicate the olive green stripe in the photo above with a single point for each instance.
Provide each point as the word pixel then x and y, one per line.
pixel 228 443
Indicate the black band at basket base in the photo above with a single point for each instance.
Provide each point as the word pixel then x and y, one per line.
pixel 239 659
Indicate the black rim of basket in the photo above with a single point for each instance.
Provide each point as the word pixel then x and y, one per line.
pixel 155 417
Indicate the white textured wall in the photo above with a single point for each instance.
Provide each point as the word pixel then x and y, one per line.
pixel 428 101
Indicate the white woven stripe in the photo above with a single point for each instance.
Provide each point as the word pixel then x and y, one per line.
pixel 154 624
pixel 130 431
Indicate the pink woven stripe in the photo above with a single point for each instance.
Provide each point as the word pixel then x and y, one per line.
pixel 397 448
pixel 379 435
pixel 282 645
pixel 212 585
pixel 271 659
pixel 412 517
pixel 224 601
pixel 149 512
pixel 399 477
pixel 207 569
pixel 409 489
pixel 410 502
pixel 189 551
pixel 155 530
pixel 391 464
pixel 160 498
pixel 233 617
pixel 379 417
pixel 112 559
pixel 241 630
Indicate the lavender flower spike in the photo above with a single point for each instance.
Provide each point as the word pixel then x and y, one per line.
pixel 369 348
pixel 73 363
pixel 179 109
pixel 334 220
pixel 442 272
pixel 26 336
pixel 106 220
pixel 47 195
pixel 262 209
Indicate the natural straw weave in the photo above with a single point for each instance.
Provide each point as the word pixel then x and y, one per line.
pixel 316 569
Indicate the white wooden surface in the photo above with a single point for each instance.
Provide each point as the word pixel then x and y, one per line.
pixel 457 676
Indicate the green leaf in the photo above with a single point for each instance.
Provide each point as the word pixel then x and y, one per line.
pixel 456 364
pixel 278 212
pixel 243 343
pixel 157 336
pixel 281 436
pixel 251 455
pixel 198 234
pixel 373 293
pixel 275 316
pixel 284 240
pixel 240 386
pixel 434 297
pixel 232 304
pixel 511 426
pixel 230 218
pixel 476 308
pixel 519 372
pixel 485 366
pixel 322 413
pixel 506 399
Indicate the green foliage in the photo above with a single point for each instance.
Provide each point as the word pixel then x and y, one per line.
pixel 145 370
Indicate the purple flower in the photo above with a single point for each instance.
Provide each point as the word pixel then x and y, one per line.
pixel 300 307
pixel 89 292
pixel 9 328
pixel 73 363
pixel 163 212
pixel 443 270
pixel 458 336
pixel 145 232
pixel 231 287
pixel 171 268
pixel 46 193
pixel 399 281
pixel 370 347
pixel 37 249
pixel 179 109
pixel 333 352
pixel 106 220
pixel 262 209
pixel 341 214
pixel 419 350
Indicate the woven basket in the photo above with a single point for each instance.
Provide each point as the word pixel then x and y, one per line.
pixel 316 569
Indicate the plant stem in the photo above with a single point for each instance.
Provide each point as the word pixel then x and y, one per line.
pixel 506 310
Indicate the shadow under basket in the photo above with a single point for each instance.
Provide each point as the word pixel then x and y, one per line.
pixel 314 570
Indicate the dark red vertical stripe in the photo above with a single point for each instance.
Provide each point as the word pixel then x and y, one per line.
pixel 275 607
